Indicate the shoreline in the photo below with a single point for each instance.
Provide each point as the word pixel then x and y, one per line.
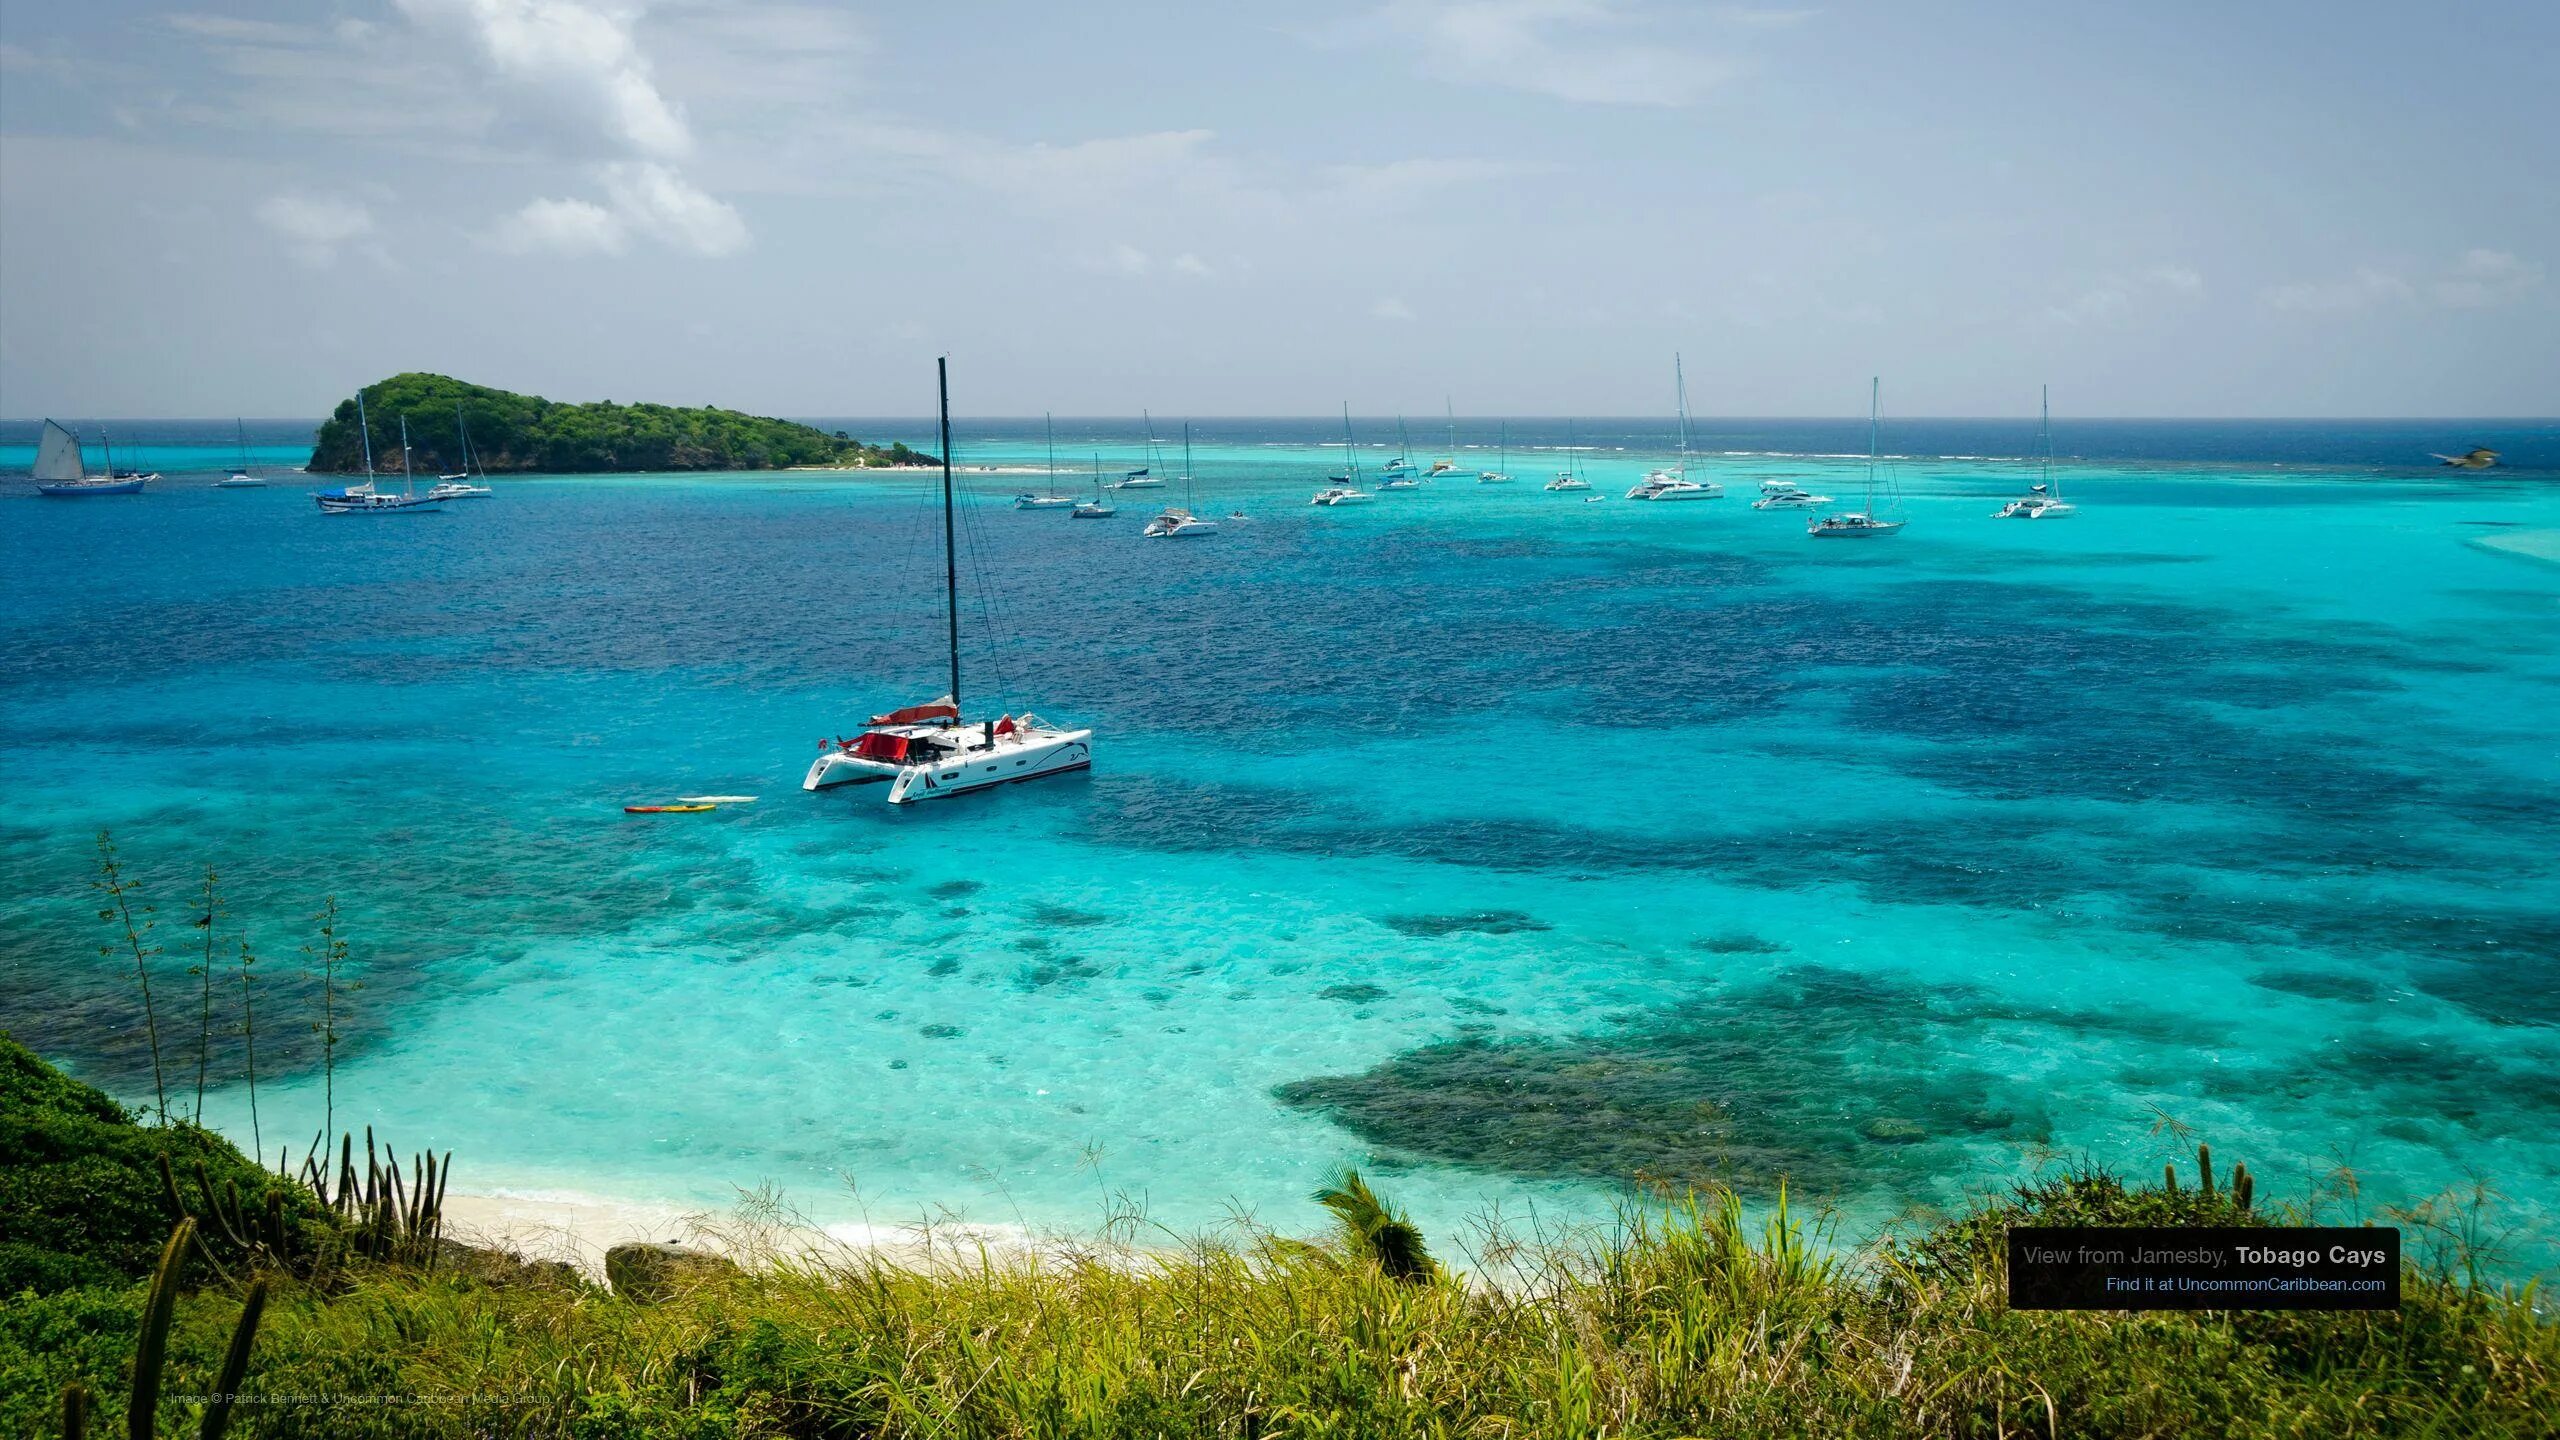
pixel 578 1228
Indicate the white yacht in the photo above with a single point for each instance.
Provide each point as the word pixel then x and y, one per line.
pixel 1674 483
pixel 1400 473
pixel 1096 508
pixel 241 476
pixel 1177 520
pixel 364 498
pixel 1344 489
pixel 1787 495
pixel 2043 500
pixel 1145 476
pixel 1862 524
pixel 1570 477
pixel 928 751
pixel 62 471
pixel 460 485
pixel 1500 474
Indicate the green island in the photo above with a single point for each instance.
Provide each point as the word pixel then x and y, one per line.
pixel 152 1260
pixel 522 434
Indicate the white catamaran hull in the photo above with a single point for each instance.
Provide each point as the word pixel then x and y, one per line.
pixel 1011 758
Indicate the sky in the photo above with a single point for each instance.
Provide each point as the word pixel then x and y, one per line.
pixel 1513 206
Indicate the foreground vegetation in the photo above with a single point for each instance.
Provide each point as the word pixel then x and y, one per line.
pixel 520 433
pixel 1689 1320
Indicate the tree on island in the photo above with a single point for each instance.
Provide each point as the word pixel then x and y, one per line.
pixel 513 433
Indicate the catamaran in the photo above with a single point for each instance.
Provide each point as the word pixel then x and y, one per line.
pixel 63 472
pixel 1674 483
pixel 1051 499
pixel 1570 477
pixel 1178 520
pixel 365 498
pixel 928 751
pixel 240 477
pixel 1447 466
pixel 1861 524
pixel 1344 489
pixel 1500 474
pixel 460 486
pixel 2043 500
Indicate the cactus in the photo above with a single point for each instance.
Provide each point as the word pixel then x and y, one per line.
pixel 2204 1170
pixel 2169 1177
pixel 151 1353
pixel 2244 1187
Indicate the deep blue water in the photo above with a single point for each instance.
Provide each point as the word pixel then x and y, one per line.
pixel 1496 841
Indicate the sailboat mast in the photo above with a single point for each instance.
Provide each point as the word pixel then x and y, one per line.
pixel 950 537
pixel 1449 407
pixel 1049 427
pixel 364 426
pixel 109 442
pixel 1875 392
pixel 2046 405
pixel 240 431
pixel 405 485
pixel 1190 489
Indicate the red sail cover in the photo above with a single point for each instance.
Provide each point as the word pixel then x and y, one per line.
pixel 881 747
pixel 941 709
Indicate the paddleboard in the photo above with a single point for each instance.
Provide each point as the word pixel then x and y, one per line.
pixel 716 799
pixel 663 809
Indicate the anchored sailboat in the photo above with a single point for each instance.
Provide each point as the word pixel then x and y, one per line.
pixel 2043 500
pixel 1447 465
pixel 1500 474
pixel 365 499
pixel 460 486
pixel 1861 524
pixel 1096 508
pixel 929 751
pixel 1145 476
pixel 63 472
pixel 1344 489
pixel 1050 499
pixel 1570 477
pixel 1178 520
pixel 240 477
pixel 1674 483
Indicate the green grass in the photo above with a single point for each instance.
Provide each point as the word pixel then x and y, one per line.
pixel 1692 1318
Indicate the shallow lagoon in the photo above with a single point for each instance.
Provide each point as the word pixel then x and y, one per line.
pixel 1500 842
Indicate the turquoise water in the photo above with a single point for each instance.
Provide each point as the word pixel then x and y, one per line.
pixel 1501 843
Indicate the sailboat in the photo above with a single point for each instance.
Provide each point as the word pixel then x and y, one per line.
pixel 1674 483
pixel 1860 524
pixel 2043 500
pixel 1399 473
pixel 459 486
pixel 1447 465
pixel 1051 500
pixel 240 478
pixel 1178 520
pixel 928 751
pixel 63 472
pixel 365 499
pixel 1344 489
pixel 1570 477
pixel 1145 476
pixel 1096 508
pixel 1500 474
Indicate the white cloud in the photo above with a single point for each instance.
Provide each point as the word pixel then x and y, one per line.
pixel 1128 259
pixel 2119 296
pixel 1188 264
pixel 2482 279
pixel 657 201
pixel 1580 50
pixel 2366 288
pixel 577 61
pixel 561 227
pixel 1391 308
pixel 315 228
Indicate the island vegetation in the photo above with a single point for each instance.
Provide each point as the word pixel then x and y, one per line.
pixel 150 1270
pixel 517 434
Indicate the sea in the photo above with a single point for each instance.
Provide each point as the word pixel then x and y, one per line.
pixel 1532 852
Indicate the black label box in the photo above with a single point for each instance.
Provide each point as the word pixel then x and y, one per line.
pixel 2236 1267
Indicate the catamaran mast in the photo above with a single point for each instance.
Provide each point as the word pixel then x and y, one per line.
pixel 1190 496
pixel 950 540
pixel 2047 406
pixel 1680 389
pixel 1875 390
